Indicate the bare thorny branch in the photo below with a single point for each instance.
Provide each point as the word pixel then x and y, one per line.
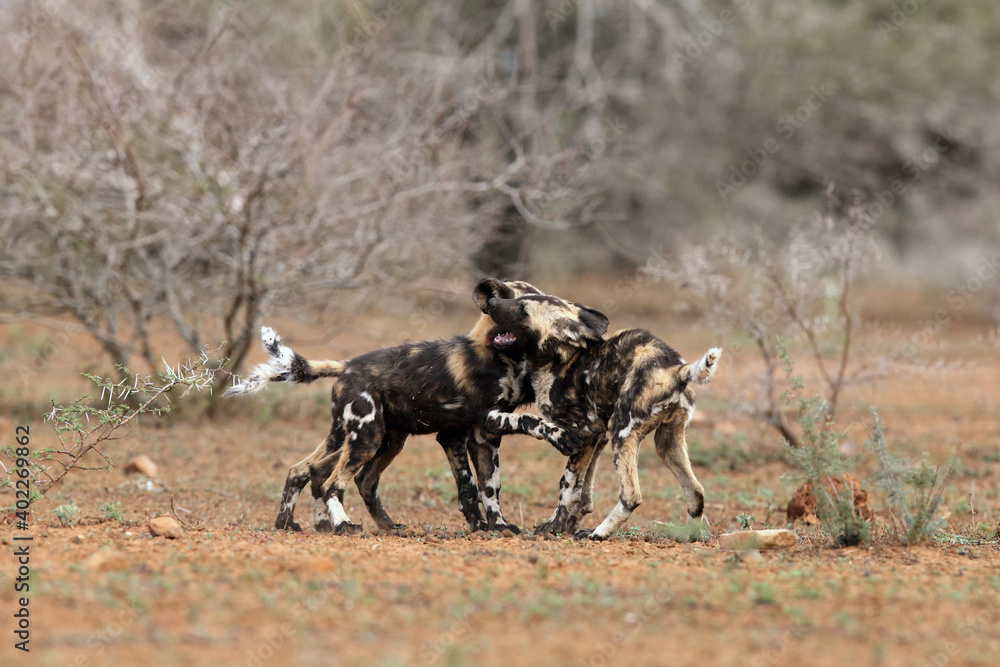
pixel 85 425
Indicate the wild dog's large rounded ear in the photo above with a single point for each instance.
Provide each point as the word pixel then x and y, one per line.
pixel 586 326
pixel 490 288
pixel 594 320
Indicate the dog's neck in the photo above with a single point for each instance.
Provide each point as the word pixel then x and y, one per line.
pixel 563 359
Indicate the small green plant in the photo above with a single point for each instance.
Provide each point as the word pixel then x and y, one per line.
pixel 916 491
pixel 68 514
pixel 629 533
pixel 974 535
pixel 111 511
pixel 691 531
pixel 823 462
pixel 762 592
pixel 745 521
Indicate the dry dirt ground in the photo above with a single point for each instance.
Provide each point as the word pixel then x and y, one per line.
pixel 233 591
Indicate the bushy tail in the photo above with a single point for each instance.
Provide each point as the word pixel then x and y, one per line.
pixel 702 370
pixel 285 366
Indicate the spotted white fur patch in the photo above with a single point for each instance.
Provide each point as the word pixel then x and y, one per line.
pixel 566 494
pixel 358 420
pixel 625 432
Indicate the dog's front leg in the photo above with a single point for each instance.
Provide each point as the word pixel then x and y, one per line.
pixel 457 445
pixel 572 489
pixel 506 423
pixel 485 451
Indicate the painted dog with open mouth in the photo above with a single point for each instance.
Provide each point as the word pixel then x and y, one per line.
pixel 619 388
pixel 448 387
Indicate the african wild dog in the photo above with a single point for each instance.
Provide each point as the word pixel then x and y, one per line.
pixel 446 387
pixel 622 387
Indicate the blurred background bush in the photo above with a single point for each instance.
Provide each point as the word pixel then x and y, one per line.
pixel 202 165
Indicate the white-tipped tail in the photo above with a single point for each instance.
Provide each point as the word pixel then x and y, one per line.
pixel 703 369
pixel 280 365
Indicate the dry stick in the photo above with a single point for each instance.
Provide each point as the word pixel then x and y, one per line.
pixel 845 313
pixel 773 413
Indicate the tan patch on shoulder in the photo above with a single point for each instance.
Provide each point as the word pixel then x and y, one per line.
pixel 460 370
pixel 482 336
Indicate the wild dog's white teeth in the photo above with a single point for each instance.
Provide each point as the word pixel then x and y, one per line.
pixel 505 338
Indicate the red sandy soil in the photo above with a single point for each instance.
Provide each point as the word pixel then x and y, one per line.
pixel 234 591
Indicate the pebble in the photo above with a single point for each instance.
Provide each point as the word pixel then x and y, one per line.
pixel 141 464
pixel 165 526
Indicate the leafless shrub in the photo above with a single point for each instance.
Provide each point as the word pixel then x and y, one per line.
pixel 801 291
pixel 203 164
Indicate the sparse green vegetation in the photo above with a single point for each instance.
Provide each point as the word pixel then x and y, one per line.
pixel 111 511
pixel 68 513
pixel 915 491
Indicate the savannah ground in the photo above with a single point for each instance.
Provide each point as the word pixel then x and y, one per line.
pixel 232 590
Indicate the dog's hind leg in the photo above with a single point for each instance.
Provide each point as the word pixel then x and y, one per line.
pixel 627 431
pixel 456 444
pixel 485 452
pixel 672 448
pixel 298 477
pixel 585 503
pixel 367 480
pixel 361 433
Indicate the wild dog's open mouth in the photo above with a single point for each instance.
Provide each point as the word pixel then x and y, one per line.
pixel 505 339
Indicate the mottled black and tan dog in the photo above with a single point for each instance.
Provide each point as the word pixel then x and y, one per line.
pixel 448 387
pixel 622 387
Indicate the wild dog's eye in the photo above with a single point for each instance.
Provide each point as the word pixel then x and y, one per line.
pixel 524 310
